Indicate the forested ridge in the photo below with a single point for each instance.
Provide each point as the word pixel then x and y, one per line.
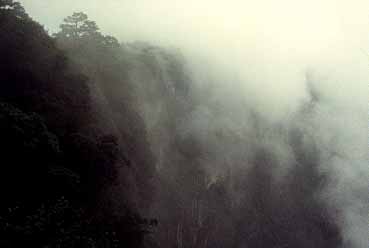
pixel 102 145
pixel 59 156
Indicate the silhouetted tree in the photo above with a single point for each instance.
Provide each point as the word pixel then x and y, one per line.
pixel 73 25
pixel 77 29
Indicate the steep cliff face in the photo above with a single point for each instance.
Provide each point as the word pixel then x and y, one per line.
pixel 116 111
pixel 215 183
pixel 225 176
pixel 210 169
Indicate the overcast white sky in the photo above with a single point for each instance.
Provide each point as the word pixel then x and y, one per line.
pixel 273 42
pixel 168 20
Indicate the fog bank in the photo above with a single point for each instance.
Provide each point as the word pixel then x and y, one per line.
pixel 295 65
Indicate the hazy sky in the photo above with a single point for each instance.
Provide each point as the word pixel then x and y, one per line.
pixel 265 46
pixel 168 20
pixel 246 32
pixel 275 40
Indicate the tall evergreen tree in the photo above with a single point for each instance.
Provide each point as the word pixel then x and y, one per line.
pixel 77 26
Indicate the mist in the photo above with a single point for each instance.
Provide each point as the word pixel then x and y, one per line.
pixel 276 97
pixel 276 42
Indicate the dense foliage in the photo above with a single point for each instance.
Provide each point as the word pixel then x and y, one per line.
pixel 56 166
